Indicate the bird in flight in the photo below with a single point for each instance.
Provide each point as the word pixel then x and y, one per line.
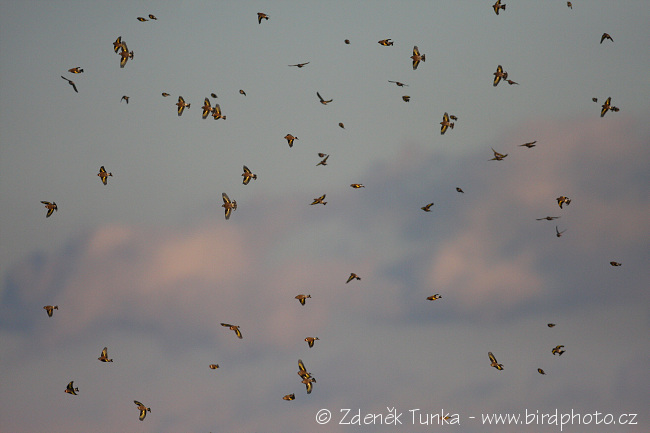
pixel 289 397
pixel 347 42
pixel 70 389
pixel 248 175
pixel 76 70
pixel 51 207
pixel 181 104
pixel 540 371
pixel 207 108
pixel 557 350
pixel 261 16
pixel 563 200
pixel 386 42
pixel 498 6
pixel 494 362
pixel 549 218
pixel 290 138
pixel 498 75
pixel 498 156
pixel 322 101
pixel 550 325
pixel 434 297
pixel 216 112
pixel 165 94
pixel 103 175
pixel 417 57
pixel 50 309
pixel 341 125
pixel 104 356
pixel 153 17
pixel 319 200
pixel 307 378
pixel 559 233
pixel 353 276
pixel 241 92
pixel 607 106
pixel 117 44
pixel 233 328
pixel 356 185
pixel 398 84
pixel 125 98
pixel 569 5
pixel 71 83
pixel 511 82
pixel 445 124
pixel 606 36
pixel 460 190
pixel 228 205
pixel 529 145
pixel 300 65
pixel 302 298
pixel 427 208
pixel 214 366
pixel 142 408
pixel 310 341
pixel 125 55
pixel 615 263
pixel 406 98
pixel 323 161
pixel 142 19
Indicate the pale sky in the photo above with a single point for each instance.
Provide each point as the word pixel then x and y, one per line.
pixel 149 267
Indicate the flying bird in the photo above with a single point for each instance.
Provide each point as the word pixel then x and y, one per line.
pixel 302 370
pixel 498 156
pixel 50 309
pixel 529 145
pixel 347 42
pixel 498 6
pixel 261 16
pixel 216 112
pixel 228 205
pixel 417 57
pixel 125 55
pixel 214 95
pixel 308 383
pixel 460 190
pixel 302 298
pixel 104 356
pixel 498 75
pixel 153 17
pixel 386 42
pixel 241 92
pixel 125 98
pixel 607 106
pixel 289 397
pixel 76 70
pixel 117 44
pixel 559 233
pixel 248 175
pixel 142 19
pixel 214 366
pixel 549 218
pixel 181 104
pixel 569 5
pixel 341 125
pixel 322 101
pixel 290 138
pixel 319 200
pixel 310 341
pixel 233 328
pixel 563 200
pixel 445 124
pixel 51 207
pixel 398 84
pixel 142 408
pixel 323 161
pixel 606 36
pixel 494 362
pixel 427 208
pixel 207 108
pixel 594 99
pixel 511 82
pixel 615 263
pixel 70 389
pixel 71 83
pixel 356 185
pixel 165 94
pixel 406 98
pixel 434 297
pixel 540 371
pixel 300 65
pixel 558 350
pixel 353 276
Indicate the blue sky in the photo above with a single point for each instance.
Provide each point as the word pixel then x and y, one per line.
pixel 148 266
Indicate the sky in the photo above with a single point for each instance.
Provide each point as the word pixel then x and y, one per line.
pixel 148 266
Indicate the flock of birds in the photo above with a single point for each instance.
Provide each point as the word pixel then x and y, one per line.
pixel 448 122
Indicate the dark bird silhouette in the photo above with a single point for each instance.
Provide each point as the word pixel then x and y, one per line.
pixel 398 84
pixel 125 98
pixel 615 263
pixel 529 145
pixel 323 101
pixel 427 208
pixel 49 309
pixel 606 36
pixel 386 42
pixel 70 389
pixel 498 6
pixel 300 65
pixel 549 218
pixel 498 156
pixel 261 16
pixel 406 98
pixel 76 70
pixel 71 83
pixel 445 124
pixel 557 350
pixel 559 233
pixel 181 104
pixel 353 276
pixel 434 297
pixel 460 190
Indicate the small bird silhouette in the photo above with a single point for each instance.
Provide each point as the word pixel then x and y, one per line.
pixel 511 82
pixel 117 44
pixel 302 370
pixel 427 208
pixel 142 19
pixel 563 200
pixel 216 112
pixel 529 145
pixel 323 101
pixel 51 207
pixel 261 16
pixel 386 42
pixel 302 298
pixel 165 94
pixel 550 325
pixel 494 362
pixel 233 328
pixel 498 6
pixel 228 205
pixel 125 98
pixel 417 57
pixel 76 70
pixel 300 65
pixel 460 190
pixel 308 383
pixel 606 36
pixel 290 138
pixel 549 218
pixel 498 75
pixel 559 233
pixel 569 5
pixel 248 175
pixel 214 95
pixel 207 108
pixel 181 104
pixel 71 83
pixel 398 84
pixel 310 341
pixel 606 107
pixel 434 297
pixel 289 397
pixel 558 350
pixel 323 161
pixel 142 408
pixel 406 98
pixel 50 309
pixel 125 55
pixel 104 356
pixel 356 185
pixel 445 124
pixel 214 366
pixel 540 371
pixel 153 17
pixel 241 92
pixel 319 200
pixel 615 263
pixel 341 125
pixel 70 389
pixel 353 276
pixel 498 156
pixel 347 42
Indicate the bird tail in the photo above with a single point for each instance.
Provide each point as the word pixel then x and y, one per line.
pixel 424 57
